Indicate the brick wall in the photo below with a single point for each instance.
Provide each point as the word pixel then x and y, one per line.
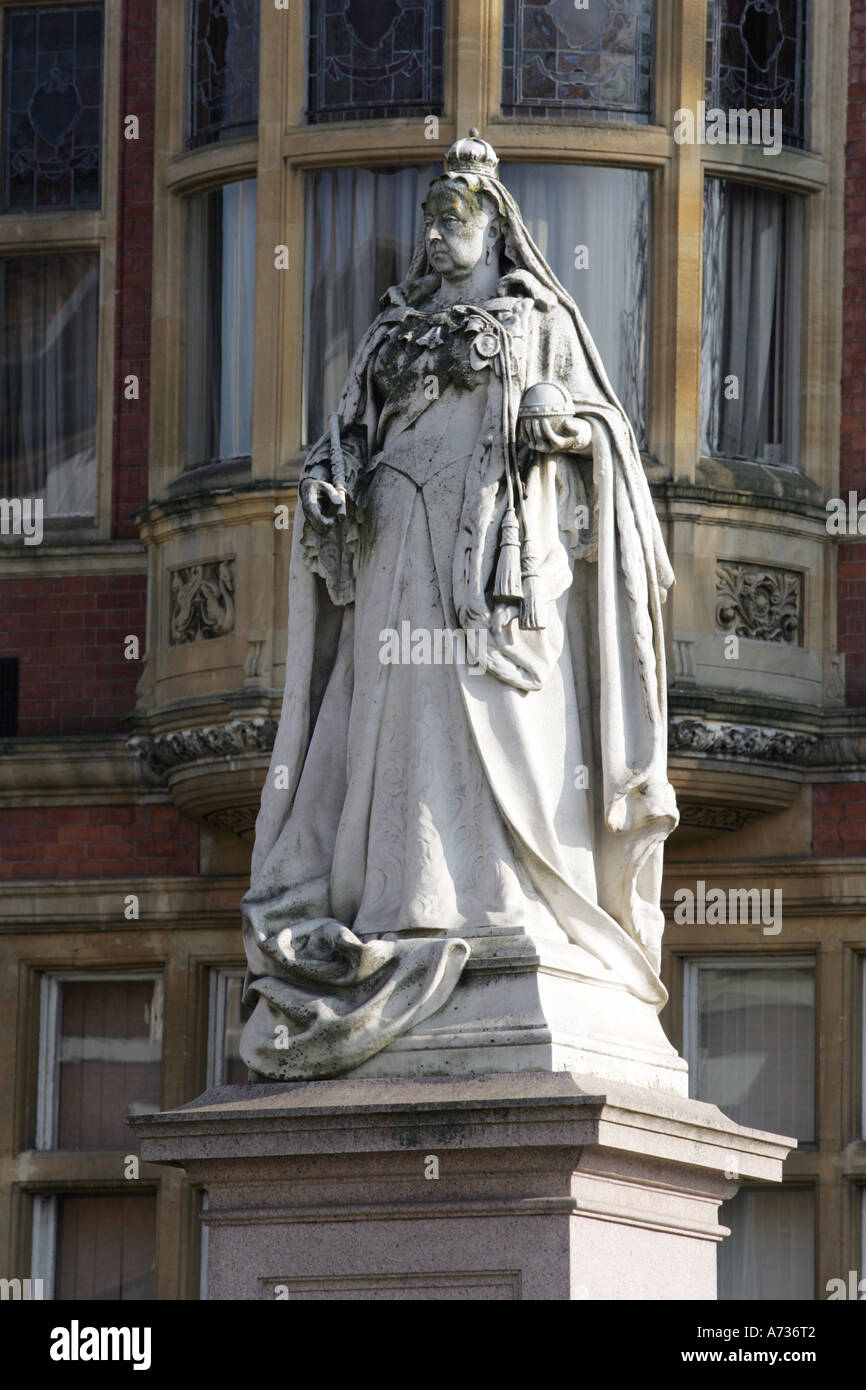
pixel 96 842
pixel 134 262
pixel 839 810
pixel 68 634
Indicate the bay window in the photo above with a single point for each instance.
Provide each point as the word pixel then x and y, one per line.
pixel 750 343
pixel 221 323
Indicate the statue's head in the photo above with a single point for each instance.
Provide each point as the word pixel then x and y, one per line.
pixel 463 216
pixel 462 226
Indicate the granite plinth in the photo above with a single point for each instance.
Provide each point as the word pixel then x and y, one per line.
pixel 522 1186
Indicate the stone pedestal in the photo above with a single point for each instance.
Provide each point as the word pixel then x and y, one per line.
pixel 529 1185
pixel 533 1003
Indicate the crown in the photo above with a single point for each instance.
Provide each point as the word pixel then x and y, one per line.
pixel 472 156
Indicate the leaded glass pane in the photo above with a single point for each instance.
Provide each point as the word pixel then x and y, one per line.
pixel 756 58
pixel 52 108
pixel 224 70
pixel 369 61
pixel 559 60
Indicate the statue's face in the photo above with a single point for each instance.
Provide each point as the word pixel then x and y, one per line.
pixel 458 229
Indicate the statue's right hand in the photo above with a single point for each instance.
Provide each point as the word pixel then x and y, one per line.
pixel 322 503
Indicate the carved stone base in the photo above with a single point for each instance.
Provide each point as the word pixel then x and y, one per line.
pixel 526 1186
pixel 536 1004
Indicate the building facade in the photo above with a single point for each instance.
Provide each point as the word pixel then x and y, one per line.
pixel 201 202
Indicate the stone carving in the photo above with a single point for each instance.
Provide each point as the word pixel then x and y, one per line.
pixel 716 817
pixel 240 820
pixel 746 741
pixel 478 477
pixel 684 661
pixel 202 601
pixel 758 602
pixel 165 752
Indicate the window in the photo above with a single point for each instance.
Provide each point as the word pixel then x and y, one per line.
pixel 750 1041
pixel 592 226
pixel 750 348
pixel 591 62
pixel 221 323
pixel 362 227
pixel 226 1018
pixel 223 70
pixel 363 224
pixel 95 1246
pixel 52 108
pixel 370 61
pixel 756 58
pixel 100 1058
pixel 8 696
pixel 770 1253
pixel 49 321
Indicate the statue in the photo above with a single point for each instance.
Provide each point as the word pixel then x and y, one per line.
pixel 473 734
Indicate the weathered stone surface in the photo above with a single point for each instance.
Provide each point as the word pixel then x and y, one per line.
pixel 524 1186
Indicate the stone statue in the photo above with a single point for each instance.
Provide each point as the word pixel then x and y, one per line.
pixel 472 746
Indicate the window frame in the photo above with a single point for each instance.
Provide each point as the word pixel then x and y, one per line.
pixel 47 1088
pixel 89 229
pixel 218 977
pixel 693 964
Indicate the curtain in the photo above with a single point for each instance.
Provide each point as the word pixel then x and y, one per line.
pixel 756 1045
pixel 751 323
pixel 221 322
pixel 106 1247
pixel 770 1253
pixel 361 230
pixel 49 332
pixel 607 211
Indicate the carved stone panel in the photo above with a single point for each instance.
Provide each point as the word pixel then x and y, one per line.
pixel 759 602
pixel 202 601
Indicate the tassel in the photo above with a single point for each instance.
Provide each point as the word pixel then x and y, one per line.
pixel 508 586
pixel 530 609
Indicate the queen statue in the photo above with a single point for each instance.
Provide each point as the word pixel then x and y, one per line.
pixel 472 741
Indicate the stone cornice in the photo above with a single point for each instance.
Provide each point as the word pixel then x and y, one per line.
pixel 99 769
pixel 166 752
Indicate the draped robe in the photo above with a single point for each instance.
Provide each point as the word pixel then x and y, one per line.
pixel 410 807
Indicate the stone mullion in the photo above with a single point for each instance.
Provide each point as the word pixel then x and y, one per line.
pixel 474 51
pixel 675 414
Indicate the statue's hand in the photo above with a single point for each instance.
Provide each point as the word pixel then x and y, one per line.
pixel 552 434
pixel 322 503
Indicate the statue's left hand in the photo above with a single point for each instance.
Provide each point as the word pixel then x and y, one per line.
pixel 552 434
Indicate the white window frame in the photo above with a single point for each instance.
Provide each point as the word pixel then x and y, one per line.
pixel 47 1090
pixel 216 1014
pixel 43 1257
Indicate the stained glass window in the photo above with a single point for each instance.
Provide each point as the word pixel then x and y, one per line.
pixel 756 58
pixel 52 108
pixel 559 60
pixel 379 60
pixel 224 70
